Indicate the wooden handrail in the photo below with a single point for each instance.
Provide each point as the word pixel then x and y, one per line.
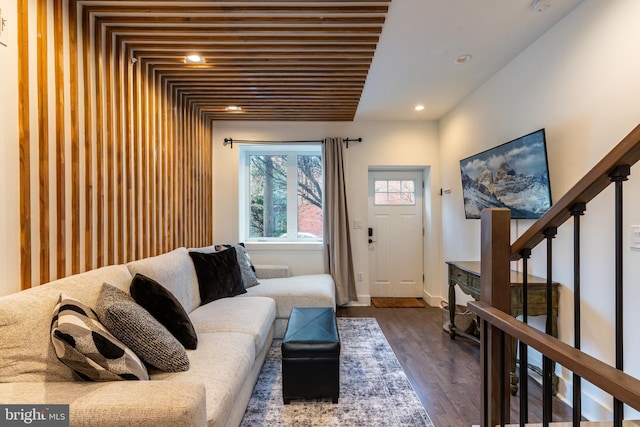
pixel 496 321
pixel 627 152
pixel 623 386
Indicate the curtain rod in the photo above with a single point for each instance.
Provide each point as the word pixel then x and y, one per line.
pixel 230 141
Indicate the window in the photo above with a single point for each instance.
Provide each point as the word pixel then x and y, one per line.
pixel 282 188
pixel 394 192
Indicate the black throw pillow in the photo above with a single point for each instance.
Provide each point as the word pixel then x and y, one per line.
pixel 218 275
pixel 165 308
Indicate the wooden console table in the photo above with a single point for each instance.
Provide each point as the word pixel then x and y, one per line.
pixel 466 274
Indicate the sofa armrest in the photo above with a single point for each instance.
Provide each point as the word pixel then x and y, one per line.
pixel 117 403
pixel 271 271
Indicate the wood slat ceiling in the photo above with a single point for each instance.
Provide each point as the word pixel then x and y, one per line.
pixel 277 60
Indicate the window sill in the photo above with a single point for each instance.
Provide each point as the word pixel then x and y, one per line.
pixel 283 246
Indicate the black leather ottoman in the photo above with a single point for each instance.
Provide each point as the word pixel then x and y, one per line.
pixel 311 355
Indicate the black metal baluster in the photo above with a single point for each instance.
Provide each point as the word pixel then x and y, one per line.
pixel 524 350
pixel 577 210
pixel 547 364
pixel 618 176
pixel 484 332
pixel 503 371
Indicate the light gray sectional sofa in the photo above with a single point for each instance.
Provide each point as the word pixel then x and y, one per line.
pixel 234 335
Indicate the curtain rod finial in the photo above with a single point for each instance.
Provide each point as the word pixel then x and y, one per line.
pixel 347 140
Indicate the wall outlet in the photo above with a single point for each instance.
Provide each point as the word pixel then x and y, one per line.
pixel 359 276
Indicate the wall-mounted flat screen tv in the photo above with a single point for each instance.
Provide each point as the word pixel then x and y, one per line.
pixel 513 175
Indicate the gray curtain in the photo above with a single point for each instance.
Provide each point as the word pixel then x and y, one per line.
pixel 337 239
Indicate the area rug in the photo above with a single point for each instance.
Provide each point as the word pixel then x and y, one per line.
pixel 397 302
pixel 374 390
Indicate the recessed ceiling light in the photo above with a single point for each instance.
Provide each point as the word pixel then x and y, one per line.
pixel 463 58
pixel 233 108
pixel 419 107
pixel 194 59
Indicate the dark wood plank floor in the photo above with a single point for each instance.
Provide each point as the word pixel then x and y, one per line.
pixel 444 372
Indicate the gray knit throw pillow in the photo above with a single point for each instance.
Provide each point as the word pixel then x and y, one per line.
pixel 140 331
pixel 247 270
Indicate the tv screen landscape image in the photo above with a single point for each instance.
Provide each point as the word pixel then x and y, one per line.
pixel 513 175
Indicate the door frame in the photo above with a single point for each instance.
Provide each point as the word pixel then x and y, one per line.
pixel 426 208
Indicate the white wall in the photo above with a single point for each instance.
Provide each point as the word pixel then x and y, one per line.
pixel 9 156
pixel 580 82
pixel 384 144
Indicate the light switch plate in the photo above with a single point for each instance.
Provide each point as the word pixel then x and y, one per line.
pixel 357 223
pixel 635 237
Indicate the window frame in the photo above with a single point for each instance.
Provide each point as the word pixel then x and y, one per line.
pixel 244 199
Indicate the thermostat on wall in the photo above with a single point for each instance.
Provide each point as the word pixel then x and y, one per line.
pixel 3 31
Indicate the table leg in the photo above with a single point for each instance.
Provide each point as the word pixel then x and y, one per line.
pixel 452 310
pixel 513 376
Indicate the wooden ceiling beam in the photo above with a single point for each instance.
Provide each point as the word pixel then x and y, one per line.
pixel 279 60
pixel 187 9
pixel 157 36
pixel 246 48
pixel 267 67
pixel 258 55
pixel 231 22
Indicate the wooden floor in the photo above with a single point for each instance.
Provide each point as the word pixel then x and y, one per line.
pixel 443 372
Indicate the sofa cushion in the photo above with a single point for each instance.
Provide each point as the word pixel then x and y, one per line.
pixel 26 352
pixel 253 316
pixel 115 403
pixel 139 330
pixel 218 274
pixel 313 290
pixel 84 344
pixel 176 273
pixel 222 362
pixel 167 310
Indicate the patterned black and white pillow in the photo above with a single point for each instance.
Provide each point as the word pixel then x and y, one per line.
pixel 83 344
pixel 139 330
pixel 247 270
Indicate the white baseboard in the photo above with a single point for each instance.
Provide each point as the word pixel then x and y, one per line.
pixel 363 301
pixel 432 300
pixel 592 408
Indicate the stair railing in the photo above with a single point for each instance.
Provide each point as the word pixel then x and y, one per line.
pixel 494 306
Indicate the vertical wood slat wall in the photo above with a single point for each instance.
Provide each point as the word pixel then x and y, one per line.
pixel 138 182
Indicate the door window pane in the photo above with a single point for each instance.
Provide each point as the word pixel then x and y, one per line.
pixel 394 192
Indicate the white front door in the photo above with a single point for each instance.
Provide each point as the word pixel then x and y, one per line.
pixel 396 233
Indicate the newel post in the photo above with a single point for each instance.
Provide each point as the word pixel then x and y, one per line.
pixel 495 289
